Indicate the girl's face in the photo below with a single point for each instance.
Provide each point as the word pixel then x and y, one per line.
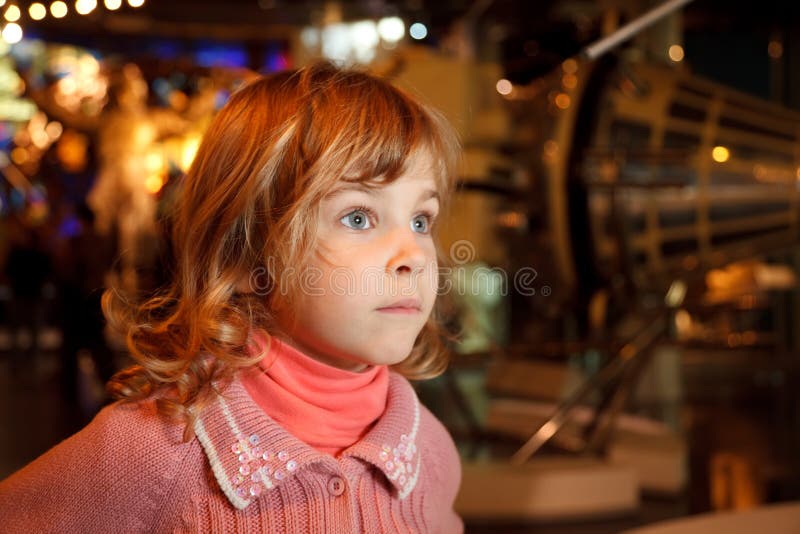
pixel 372 283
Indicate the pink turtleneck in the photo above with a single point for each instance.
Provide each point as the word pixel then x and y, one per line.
pixel 328 408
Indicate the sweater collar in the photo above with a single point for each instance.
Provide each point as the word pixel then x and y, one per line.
pixel 324 406
pixel 251 454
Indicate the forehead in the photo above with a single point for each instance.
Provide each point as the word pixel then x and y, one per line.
pixel 419 165
pixel 418 175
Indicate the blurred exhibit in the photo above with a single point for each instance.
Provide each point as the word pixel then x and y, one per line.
pixel 623 243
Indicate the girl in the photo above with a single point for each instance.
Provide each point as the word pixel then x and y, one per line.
pixel 271 390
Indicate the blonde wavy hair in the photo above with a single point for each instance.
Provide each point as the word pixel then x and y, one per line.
pixel 249 204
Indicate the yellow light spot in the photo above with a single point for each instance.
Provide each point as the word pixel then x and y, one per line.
pixel 189 151
pixel 775 49
pixel 113 5
pixel 569 66
pixel 136 3
pixel 720 154
pixel 58 9
pixel 569 81
pixel 12 13
pixel 84 7
pixel 153 161
pixel 12 33
pixel 676 53
pixel 504 87
pixel 562 101
pixel 153 184
pixel 37 11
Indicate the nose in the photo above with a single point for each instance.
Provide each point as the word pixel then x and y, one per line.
pixel 407 254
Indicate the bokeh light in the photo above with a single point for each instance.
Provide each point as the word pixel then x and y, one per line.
pixel 12 33
pixel 676 53
pixel 418 31
pixel 58 9
pixel 12 13
pixel 37 11
pixel 391 29
pixel 504 87
pixel 720 154
pixel 84 7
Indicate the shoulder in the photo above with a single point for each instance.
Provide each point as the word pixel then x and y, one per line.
pixel 126 432
pixel 111 471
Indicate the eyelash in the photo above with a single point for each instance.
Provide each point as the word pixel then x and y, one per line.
pixel 369 211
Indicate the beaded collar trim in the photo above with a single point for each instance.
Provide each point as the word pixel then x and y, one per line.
pixel 251 454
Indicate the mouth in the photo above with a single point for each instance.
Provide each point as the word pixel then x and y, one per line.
pixel 403 307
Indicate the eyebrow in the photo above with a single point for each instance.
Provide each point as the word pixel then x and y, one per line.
pixel 429 194
pixel 354 187
pixel 372 191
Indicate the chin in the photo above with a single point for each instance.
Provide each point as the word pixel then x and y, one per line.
pixel 392 354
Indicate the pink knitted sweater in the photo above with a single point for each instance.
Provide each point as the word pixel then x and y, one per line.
pixel 128 471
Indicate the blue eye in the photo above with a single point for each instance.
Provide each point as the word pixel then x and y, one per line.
pixel 357 220
pixel 421 223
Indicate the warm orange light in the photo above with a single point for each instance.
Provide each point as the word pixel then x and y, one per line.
pixel 19 155
pixel 676 53
pixel 569 66
pixel 153 184
pixel 562 100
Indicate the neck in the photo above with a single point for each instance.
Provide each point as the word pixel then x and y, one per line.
pixel 344 364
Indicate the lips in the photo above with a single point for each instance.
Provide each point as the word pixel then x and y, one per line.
pixel 409 305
